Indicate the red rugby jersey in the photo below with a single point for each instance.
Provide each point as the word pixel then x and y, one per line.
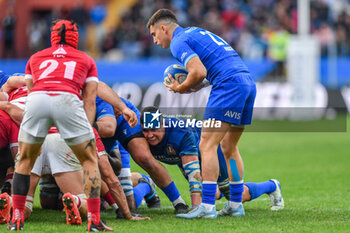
pixel 8 131
pixel 18 97
pixel 60 68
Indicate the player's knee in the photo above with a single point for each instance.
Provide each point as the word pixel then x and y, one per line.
pixel 145 160
pixel 205 137
pixel 135 176
pixel 229 149
pixel 205 147
pixel 25 161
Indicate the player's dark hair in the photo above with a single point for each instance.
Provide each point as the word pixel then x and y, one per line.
pixel 147 109
pixel 161 14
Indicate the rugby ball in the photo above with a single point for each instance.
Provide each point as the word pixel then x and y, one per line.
pixel 178 72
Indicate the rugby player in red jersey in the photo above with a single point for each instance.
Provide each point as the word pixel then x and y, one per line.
pixel 62 83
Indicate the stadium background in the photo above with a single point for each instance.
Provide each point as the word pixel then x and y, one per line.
pixel 312 167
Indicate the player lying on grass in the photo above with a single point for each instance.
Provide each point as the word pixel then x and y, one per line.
pixel 134 142
pixel 179 146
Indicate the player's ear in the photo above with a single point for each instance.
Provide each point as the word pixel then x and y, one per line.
pixel 163 28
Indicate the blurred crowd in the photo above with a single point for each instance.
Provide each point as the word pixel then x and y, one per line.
pixel 255 28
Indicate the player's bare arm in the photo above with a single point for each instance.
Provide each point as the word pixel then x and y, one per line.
pixel 114 185
pixel 89 98
pixel 107 94
pixel 196 73
pixel 14 151
pixel 12 83
pixel 14 112
pixel 106 126
pixel 116 189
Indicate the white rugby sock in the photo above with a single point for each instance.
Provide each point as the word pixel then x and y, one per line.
pixel 234 205
pixel 77 200
pixel 208 207
pixel 178 200
pixel 114 206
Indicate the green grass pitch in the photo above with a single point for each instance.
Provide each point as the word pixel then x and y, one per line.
pixel 314 171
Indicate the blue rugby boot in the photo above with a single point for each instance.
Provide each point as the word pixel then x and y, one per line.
pixel 228 210
pixel 276 199
pixel 199 212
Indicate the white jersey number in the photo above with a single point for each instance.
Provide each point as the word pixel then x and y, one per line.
pixel 217 39
pixel 51 65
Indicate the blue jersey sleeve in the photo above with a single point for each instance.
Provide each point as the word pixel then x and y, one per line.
pixel 182 51
pixel 103 109
pixel 188 145
pixel 3 78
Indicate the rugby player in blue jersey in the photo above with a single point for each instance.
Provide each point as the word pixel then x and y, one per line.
pixel 134 142
pixel 179 146
pixel 206 55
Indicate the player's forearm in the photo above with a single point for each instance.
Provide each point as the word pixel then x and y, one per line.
pixel 192 81
pixel 14 151
pixel 197 87
pixel 13 111
pixel 196 73
pixel 106 126
pixel 114 186
pixel 107 94
pixel 119 196
pixel 13 82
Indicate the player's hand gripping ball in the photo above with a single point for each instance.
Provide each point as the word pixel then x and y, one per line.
pixel 178 72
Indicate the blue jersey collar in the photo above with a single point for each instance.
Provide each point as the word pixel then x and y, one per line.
pixel 177 31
